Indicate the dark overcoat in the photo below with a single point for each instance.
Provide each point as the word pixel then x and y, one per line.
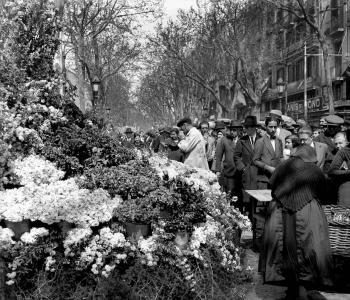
pixel 243 158
pixel 225 149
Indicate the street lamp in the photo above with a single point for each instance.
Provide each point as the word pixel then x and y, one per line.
pixel 95 89
pixel 280 91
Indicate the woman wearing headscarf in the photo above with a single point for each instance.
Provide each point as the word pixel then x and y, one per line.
pixel 296 250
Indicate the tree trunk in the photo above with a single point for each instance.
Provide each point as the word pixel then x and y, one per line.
pixel 328 76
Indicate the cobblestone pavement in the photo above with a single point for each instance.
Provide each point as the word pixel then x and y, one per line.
pixel 262 291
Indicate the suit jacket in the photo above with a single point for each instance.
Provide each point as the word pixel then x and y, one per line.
pixel 321 153
pixel 225 148
pixel 283 133
pixel 243 158
pixel 265 155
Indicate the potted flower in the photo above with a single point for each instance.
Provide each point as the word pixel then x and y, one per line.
pixel 168 202
pixel 137 215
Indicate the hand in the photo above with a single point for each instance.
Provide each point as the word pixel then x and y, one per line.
pixel 270 169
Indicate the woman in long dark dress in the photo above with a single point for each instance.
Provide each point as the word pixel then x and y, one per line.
pixel 296 250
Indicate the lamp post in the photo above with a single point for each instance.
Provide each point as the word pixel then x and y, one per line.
pixel 280 91
pixel 95 89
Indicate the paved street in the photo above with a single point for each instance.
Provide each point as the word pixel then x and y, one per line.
pixel 262 291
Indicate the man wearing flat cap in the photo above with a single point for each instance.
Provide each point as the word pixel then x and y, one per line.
pixel 193 145
pixel 333 126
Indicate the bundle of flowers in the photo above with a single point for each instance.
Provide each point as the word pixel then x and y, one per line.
pixel 62 200
pixel 198 178
pixel 33 169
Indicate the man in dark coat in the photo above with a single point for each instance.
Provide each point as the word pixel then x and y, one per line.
pixel 243 158
pixel 128 139
pixel 268 153
pixel 224 159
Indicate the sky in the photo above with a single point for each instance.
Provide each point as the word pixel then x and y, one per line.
pixel 171 6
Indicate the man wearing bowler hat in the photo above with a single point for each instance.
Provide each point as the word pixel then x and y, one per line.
pixel 243 158
pixel 128 139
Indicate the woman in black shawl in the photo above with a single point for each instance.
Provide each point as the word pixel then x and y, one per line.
pixel 296 249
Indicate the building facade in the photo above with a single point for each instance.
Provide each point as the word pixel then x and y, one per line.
pixel 288 71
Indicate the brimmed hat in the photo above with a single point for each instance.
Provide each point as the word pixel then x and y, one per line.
pixel 306 153
pixel 275 113
pixel 219 125
pixel 334 120
pixel 128 130
pixel 235 124
pixel 183 121
pixel 250 121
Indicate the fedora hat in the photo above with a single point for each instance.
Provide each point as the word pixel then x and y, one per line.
pixel 250 121
pixel 219 125
pixel 275 113
pixel 235 124
pixel 128 130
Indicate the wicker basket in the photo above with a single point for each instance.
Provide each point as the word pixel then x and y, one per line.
pixel 339 231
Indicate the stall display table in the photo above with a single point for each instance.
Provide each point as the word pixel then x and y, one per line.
pixel 259 200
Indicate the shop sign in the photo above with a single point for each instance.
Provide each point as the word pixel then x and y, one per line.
pixel 313 104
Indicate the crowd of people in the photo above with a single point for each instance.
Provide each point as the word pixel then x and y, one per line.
pixel 244 155
pixel 304 166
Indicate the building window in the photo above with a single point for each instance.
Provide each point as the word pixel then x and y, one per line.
pixel 290 37
pixel 299 70
pixel 280 74
pixel 348 89
pixel 337 91
pixel 309 66
pixel 291 73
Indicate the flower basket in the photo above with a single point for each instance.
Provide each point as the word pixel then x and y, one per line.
pixel 339 229
pixel 135 231
pixel 18 227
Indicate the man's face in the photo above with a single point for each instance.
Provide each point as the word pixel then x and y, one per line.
pixel 271 128
pixel 251 130
pixel 305 138
pixel 184 128
pixel 173 135
pixel 204 129
pixel 340 142
pixel 129 135
pixel 234 132
pixel 333 130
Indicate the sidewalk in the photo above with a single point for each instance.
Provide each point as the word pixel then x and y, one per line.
pixel 262 291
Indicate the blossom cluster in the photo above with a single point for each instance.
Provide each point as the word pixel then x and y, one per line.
pixel 32 236
pixel 35 170
pixel 198 178
pixel 106 243
pixel 58 201
pixel 147 248
pixel 6 240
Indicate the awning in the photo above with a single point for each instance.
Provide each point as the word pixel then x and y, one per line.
pixel 346 73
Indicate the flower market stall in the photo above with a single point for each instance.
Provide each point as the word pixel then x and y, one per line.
pixel 82 217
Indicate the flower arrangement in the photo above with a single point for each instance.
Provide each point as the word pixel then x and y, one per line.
pixel 35 170
pixel 58 201
pixel 137 210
